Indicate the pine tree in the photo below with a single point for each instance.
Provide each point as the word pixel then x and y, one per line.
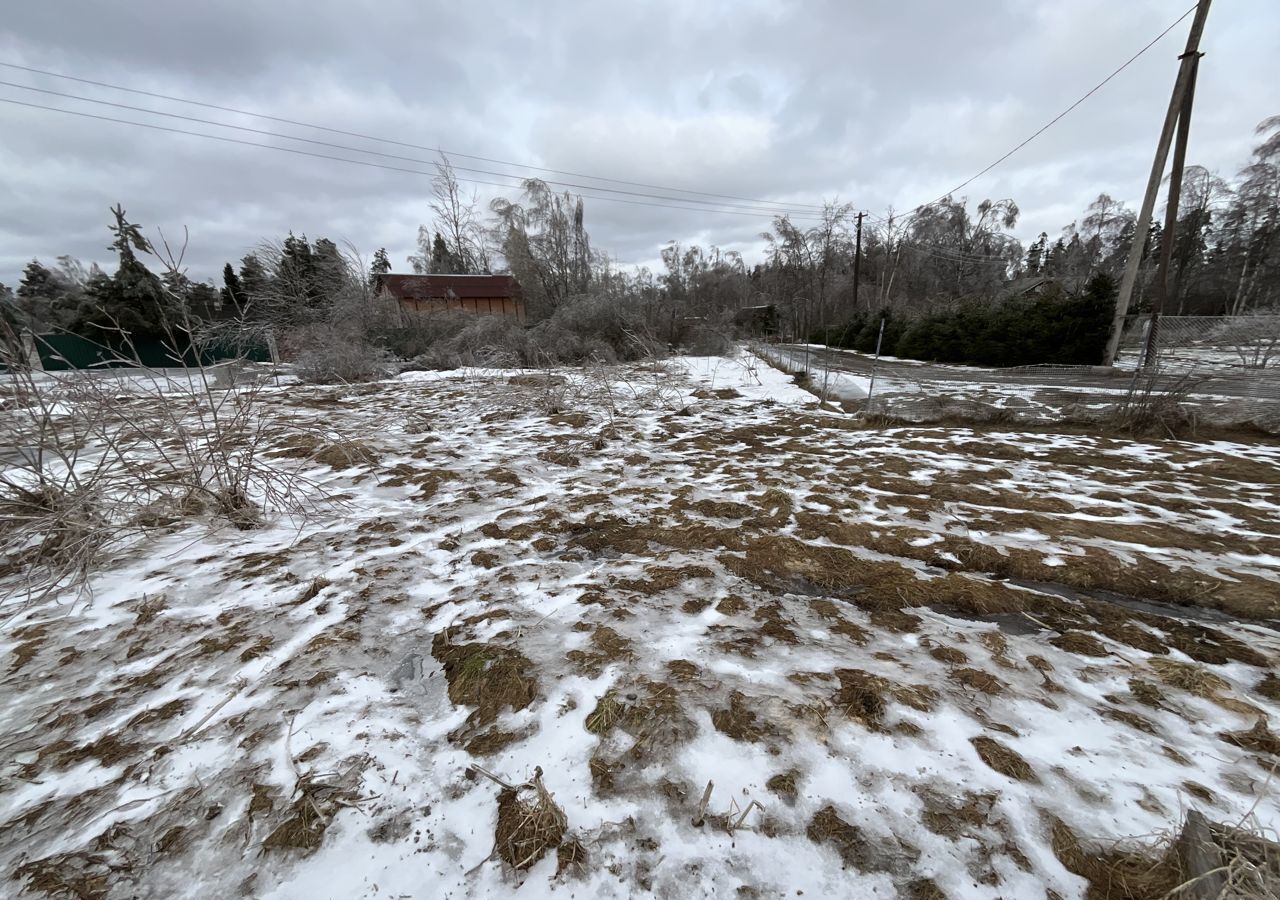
pixel 442 262
pixel 1035 254
pixel 234 300
pixel 381 263
pixel 133 300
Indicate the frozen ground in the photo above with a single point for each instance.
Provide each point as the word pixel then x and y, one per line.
pixel 906 658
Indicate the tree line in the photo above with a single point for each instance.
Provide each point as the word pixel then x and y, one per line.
pixel 939 264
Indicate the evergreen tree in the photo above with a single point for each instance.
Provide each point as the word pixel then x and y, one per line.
pixel 134 299
pixel 381 264
pixel 234 300
pixel 1035 254
pixel 442 261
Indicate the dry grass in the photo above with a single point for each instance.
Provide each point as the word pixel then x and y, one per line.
pixel 607 647
pixel 1115 874
pixel 978 680
pixel 318 798
pixel 1259 738
pixel 489 677
pixel 856 849
pixel 530 824
pixel 1003 759
pixel 1079 643
pixel 739 721
pixel 861 697
pixel 784 784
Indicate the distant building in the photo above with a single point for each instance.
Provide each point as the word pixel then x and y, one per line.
pixel 483 295
pixel 1042 286
pixel 757 321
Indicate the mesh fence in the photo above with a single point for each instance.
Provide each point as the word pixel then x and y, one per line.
pixel 1205 342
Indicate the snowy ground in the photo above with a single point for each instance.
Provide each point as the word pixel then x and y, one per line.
pixel 894 652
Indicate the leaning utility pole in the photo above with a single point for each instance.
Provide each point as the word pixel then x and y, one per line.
pixel 1186 73
pixel 1150 355
pixel 857 261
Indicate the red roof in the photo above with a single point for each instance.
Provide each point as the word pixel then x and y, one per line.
pixel 450 287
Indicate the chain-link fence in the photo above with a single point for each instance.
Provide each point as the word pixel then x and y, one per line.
pixel 1202 343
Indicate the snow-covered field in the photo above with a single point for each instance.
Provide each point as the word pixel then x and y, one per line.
pixel 903 659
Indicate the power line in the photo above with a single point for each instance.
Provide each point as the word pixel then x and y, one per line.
pixel 361 162
pixel 349 149
pixel 1062 114
pixel 367 137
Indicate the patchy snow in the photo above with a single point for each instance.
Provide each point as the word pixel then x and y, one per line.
pixel 629 537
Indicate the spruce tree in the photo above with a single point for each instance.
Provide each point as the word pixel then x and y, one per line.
pixel 234 300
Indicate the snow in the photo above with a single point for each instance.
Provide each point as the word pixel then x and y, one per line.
pixel 347 676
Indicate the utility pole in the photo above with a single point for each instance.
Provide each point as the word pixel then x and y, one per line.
pixel 857 261
pixel 1186 74
pixel 1150 354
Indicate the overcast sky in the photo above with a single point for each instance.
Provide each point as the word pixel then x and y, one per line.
pixel 875 102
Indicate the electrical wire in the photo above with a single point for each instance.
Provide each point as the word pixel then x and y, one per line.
pixel 368 137
pixel 1060 116
pixel 361 162
pixel 349 149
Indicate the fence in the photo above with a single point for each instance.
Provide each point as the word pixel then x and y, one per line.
pixel 1204 342
pixel 60 352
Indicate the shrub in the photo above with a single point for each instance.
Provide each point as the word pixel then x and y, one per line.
pixel 331 355
pixel 1053 329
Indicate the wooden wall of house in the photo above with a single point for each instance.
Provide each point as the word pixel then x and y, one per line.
pixel 506 307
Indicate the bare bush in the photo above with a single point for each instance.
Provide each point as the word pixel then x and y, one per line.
pixel 1154 408
pixel 339 355
pixel 98 459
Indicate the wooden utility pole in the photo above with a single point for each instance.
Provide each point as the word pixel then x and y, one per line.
pixel 857 261
pixel 1151 353
pixel 1186 73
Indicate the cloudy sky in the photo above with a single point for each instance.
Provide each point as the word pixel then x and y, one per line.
pixel 874 102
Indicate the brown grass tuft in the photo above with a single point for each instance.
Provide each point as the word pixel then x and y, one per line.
pixel 949 655
pixel 529 825
pixel 739 721
pixel 784 784
pixel 607 646
pixel 978 680
pixel 1259 738
pixel 1269 687
pixel 1114 874
pixel 487 676
pixel 1003 759
pixel 1080 643
pixel 861 697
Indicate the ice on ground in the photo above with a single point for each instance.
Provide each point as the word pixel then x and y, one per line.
pixel 897 655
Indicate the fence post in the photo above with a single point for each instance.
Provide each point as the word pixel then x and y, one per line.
pixel 31 355
pixel 871 388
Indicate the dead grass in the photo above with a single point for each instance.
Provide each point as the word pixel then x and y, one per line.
pixel 571 859
pixel 1269 687
pixel 949 655
pixel 607 647
pixel 784 784
pixel 1003 759
pixel 530 824
pixel 739 721
pixel 1200 682
pixel 1260 738
pixel 318 798
pixel 861 697
pixel 1079 643
pixel 489 677
pixel 855 848
pixel 660 579
pixel 978 680
pixel 1115 874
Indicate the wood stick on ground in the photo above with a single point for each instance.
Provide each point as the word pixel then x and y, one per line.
pixel 702 807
